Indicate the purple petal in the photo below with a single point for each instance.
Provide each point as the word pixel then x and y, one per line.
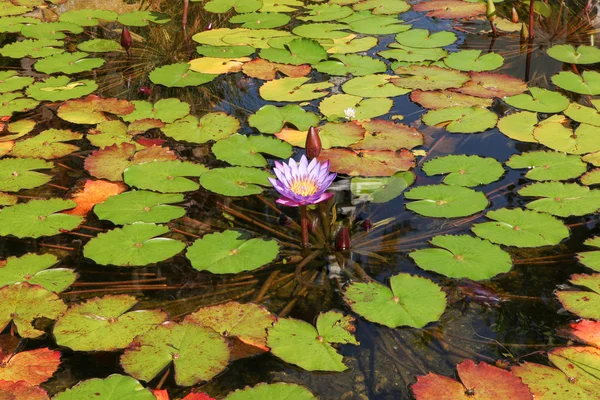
pixel 287 202
pixel 324 197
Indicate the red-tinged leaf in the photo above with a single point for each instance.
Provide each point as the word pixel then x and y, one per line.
pixel 143 125
pixel 585 331
pixel 33 367
pixel 450 9
pixel 6 147
pixel 388 135
pixel 147 142
pixel 197 396
pixel 438 387
pixel 21 390
pixel 92 109
pixel 490 85
pixel 110 162
pixel 367 162
pixel 331 135
pixel 94 192
pixel 265 70
pixel 161 394
pixel 437 99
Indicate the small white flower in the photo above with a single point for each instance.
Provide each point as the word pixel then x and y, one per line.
pixel 350 112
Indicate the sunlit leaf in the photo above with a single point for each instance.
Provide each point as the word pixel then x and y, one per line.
pixel 273 391
pixel 60 88
pixel 164 176
pixel 571 55
pixel 212 126
pixel 38 218
pixel 115 387
pixel 540 100
pixel 465 170
pixel 548 165
pixel 246 150
pixel 367 162
pixel 34 269
pixel 462 119
pixel 235 181
pixel 140 206
pixel 48 144
pixel 271 119
pixel 179 75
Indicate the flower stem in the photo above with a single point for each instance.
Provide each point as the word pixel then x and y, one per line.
pixel 304 226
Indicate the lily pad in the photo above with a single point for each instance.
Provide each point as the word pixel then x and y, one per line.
pixel 240 6
pixel 32 48
pixel 179 75
pixel 108 133
pixel 325 12
pixel 450 9
pixel 246 150
pixel 540 100
pixel 385 7
pixel 588 115
pixel 272 119
pixel 217 66
pixel 388 135
pixel 586 83
pixel 472 60
pixel 462 119
pixel 24 303
pixel 335 107
pixel 104 324
pixel 198 353
pixel 412 301
pixel 15 102
pixel 48 144
pixel 521 228
pixel 465 170
pixel 34 269
pixel 591 259
pixel 571 55
pixel 267 71
pixel 548 165
pixel 331 135
pixel 556 134
pixel 437 99
pixel 413 55
pixel 351 44
pixel 428 78
pixel 140 206
pixel 444 201
pixel 9 8
pixel 50 30
pixel 519 126
pixel 235 181
pixel 381 190
pixel 296 52
pixel 293 89
pixel 143 18
pixel 422 38
pixel 367 162
pixel 273 391
pixel 93 109
pixel 19 173
pixel 68 63
pixel 260 20
pixel 114 387
pixel 99 46
pixel 165 110
pixel 38 218
pixel 15 24
pixel 60 88
pixel 378 25
pixel 88 17
pixel 164 176
pixel 299 343
pixel 379 85
pixel 591 178
pixel 10 81
pixel 324 30
pixel 212 126
pixel 132 246
pixel 584 331
pixel 352 64
pixel 257 38
pixel 585 304
pixel 225 51
pixel 229 252
pixel 562 199
pixel 490 85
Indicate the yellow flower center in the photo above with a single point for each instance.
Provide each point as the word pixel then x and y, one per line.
pixel 304 187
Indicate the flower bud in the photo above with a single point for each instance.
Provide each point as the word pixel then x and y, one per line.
pixel 366 225
pixel 313 143
pixel 342 239
pixel 146 90
pixel 490 10
pixel 126 40
pixel 524 32
pixel 515 16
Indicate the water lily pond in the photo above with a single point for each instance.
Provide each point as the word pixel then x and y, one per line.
pixel 261 199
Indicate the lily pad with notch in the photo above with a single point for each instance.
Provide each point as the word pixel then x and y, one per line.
pixel 15 102
pixel 443 201
pixel 225 51
pixel 562 199
pixel 378 25
pixel 462 119
pixel 334 107
pixel 99 46
pixel 48 144
pixel 586 83
pixel 325 12
pixel 387 135
pixel 323 30
pixel 212 126
pixel 246 150
pixel 382 7
pixel 235 181
pixel 32 48
pixel 60 88
pixel 379 85
pixel 422 38
pixel 351 44
pixel 591 259
pixel 583 114
pixel 240 6
pixel 351 64
pixel 93 109
pixel 20 173
pixel 179 75
pixel 272 391
pixel 38 218
pixel 428 78
pixel 367 162
pixel 257 38
pixel 437 99
pixel 491 85
pixel 296 52
pixel 271 119
pixel 88 17
pixel 68 63
pixel 413 55
pixel 164 176
pixel 585 304
pixel 267 71
pixel 519 126
pixel 293 89
pixel 381 190
pixel 331 135
pixel 35 270
pixel 15 24
pixel 11 81
pixel 556 134
pixel 465 170
pixel 140 206
pixel 548 165
pixel 143 18
pixel 571 55
pixel 50 30
pixel 472 60
pixel 260 20
pixel 540 100
pixel 166 110
pixel 113 387
pixel 450 9
pixel 591 177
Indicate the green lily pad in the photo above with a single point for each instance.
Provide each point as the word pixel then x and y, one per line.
pixel 465 170
pixel 585 304
pixel 257 38
pixel 422 38
pixel 378 25
pixel 293 89
pixel 331 135
pixel 413 55
pixel 247 322
pixel 32 48
pixel 325 30
pixel 388 135
pixel 591 178
pixel 571 55
pixel 87 17
pixel 591 259
pixel 437 99
pixel 296 52
pixel 462 119
pixel 592 158
pixel 48 144
pixel 367 162
pixel 134 245
pixel 68 63
pixel 562 199
pixel 273 391
pixel 519 126
pixel 385 7
pixel 444 201
pixel 104 324
pixel 588 115
pixel 165 110
pixel 108 133
pixel 352 64
pixel 472 60
pixel 114 387
pixel 463 257
pixel 260 20
pixel 225 51
pixel 540 100
pixel 24 303
pixel 198 353
pixel 548 165
pixel 351 44
pixel 214 37
pixel 15 24
pixel 143 18
pixel 34 269
pixel 450 9
pixel 179 75
pixel 587 83
pixel 38 218
pixel 99 46
pixel 15 102
pixel 50 30
pixel 245 150
pixel 140 206
pixel 212 126
pixel 19 173
pixel 381 190
pixel 229 252
pixel 60 88
pixel 325 12
pixel 428 78
pixel 491 85
pixel 9 8
pixel 235 181
pixel 373 86
pixel 281 5
pixel 272 119
pixel 298 342
pixel 240 6
pixel 335 107
pixel 164 176
pixel 10 81
pixel 412 301
pixel 521 228
pixel 556 134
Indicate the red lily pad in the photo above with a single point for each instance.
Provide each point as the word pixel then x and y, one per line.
pixel 367 162
pixel 481 382
pixel 450 9
pixel 21 390
pixel 585 304
pixel 92 193
pixel 388 135
pixel 92 109
pixel 490 85
pixel 437 99
pixel 585 331
pixel 267 71
pixel 110 162
pixel 33 367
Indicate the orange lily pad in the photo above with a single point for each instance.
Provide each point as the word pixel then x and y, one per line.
pixel 388 135
pixel 21 390
pixel 33 367
pixel 490 85
pixel 94 192
pixel 450 9
pixel 367 162
pixel 267 71
pixel 92 109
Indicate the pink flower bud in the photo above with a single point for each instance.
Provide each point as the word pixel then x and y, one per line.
pixel 126 40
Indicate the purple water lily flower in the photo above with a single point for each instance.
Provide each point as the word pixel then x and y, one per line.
pixel 301 184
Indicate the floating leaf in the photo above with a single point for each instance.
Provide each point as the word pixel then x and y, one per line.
pixel 10 81
pixel 378 25
pixel 548 165
pixel 198 353
pixel 472 60
pixel 491 85
pixel 225 51
pixel 143 18
pixel 132 246
pixel 50 30
pixel 33 367
pixel 591 178
pixel 521 228
pixel 19 173
pixel 9 8
pixel 260 20
pixel 462 119
pixel 99 46
pixel 104 324
pixel 37 218
pixel 588 83
pixel 257 38
pixel 215 65
pixel 14 102
pixel 115 387
pixel 214 37
pixel 584 114
pixel 229 252
pixel 86 17
pixel 273 391
pixel 22 390
pixel 428 78
pixel 367 162
pixel 556 134
pixel 140 206
pixel 32 48
pixel 325 12
pixel 562 199
pixel 267 71
pixel 465 170
pixel 240 6
pixel 271 119
pixel 413 55
pixel 334 107
pixel 351 44
pixel 179 75
pixel 296 52
pixel 165 110
pixel 463 257
pixel 245 150
pixel 571 55
pixel 422 38
pixel 280 5
pixel 326 30
pixel 34 269
pixel 388 135
pixel 540 100
pixel 15 24
pixel 412 301
pixel 519 126
pixel 212 126
pixel 450 9
pixel 331 135
pixel 585 304
pixel 23 304
pixel 435 100
pixel 60 88
pixel 164 176
pixel 93 109
pixel 373 86
pixel 585 331
pixel 235 181
pixel 68 63
pixel 94 192
pixel 293 89
pixel 352 64
pixel 48 144
pixel 381 190
pixel 444 201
